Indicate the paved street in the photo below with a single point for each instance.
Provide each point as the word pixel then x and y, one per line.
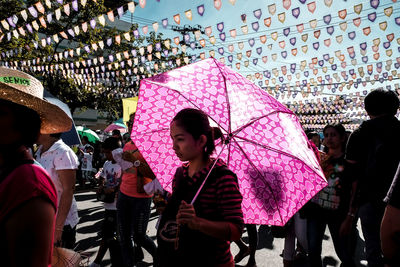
pixel 268 253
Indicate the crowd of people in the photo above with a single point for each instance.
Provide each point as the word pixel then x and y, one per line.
pixel 202 216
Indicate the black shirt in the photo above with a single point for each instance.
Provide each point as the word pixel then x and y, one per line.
pixel 375 146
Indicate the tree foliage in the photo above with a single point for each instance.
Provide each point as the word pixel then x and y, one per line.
pixel 106 93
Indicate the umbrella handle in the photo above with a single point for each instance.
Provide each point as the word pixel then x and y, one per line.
pixel 208 174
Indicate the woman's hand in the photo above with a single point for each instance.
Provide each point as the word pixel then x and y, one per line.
pixel 108 190
pixel 187 215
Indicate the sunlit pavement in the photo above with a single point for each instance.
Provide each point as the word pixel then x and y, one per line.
pixel 268 252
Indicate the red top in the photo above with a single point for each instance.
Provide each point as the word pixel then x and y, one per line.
pixel 22 184
pixel 129 177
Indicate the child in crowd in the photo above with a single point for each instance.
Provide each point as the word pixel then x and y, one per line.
pixel 110 177
pixel 87 165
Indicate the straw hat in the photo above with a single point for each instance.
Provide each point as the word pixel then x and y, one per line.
pixel 23 89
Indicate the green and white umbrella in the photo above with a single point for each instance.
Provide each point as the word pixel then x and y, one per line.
pixel 91 135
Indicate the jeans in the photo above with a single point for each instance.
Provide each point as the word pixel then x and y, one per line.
pixel 371 218
pixel 316 226
pixel 298 230
pixel 133 216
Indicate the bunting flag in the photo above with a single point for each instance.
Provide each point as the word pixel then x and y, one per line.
pixel 309 48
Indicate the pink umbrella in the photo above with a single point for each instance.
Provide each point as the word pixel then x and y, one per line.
pixel 117 125
pixel 266 146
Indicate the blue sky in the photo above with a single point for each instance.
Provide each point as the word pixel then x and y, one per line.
pixel 345 27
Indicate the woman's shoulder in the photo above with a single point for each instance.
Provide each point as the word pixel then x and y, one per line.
pixel 25 182
pixel 129 146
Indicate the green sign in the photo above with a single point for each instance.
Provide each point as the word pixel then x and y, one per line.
pixel 15 80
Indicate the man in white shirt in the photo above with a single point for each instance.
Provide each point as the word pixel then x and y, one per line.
pixel 61 163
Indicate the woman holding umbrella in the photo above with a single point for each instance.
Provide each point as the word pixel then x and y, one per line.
pixel 199 234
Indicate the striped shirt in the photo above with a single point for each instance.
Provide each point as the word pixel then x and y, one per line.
pixel 219 200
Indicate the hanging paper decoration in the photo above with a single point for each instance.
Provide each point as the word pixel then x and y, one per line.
pixel 208 31
pixel 142 3
pixel 58 13
pixel 272 9
pixel 281 17
pixel 222 36
pixel 263 39
pixel 200 10
pixel 255 26
pixel 155 26
pixel 257 13
pixel 328 3
pixel 372 16
pixel 374 3
pixel 188 14
pixel 164 23
pixel 33 11
pixel 388 11
pixel 93 23
pixel 220 26
pixel 5 25
pixel 217 4
pixel 127 36
pixel 75 5
pixel 233 33
pixel 383 25
pixel 342 13
pixel 300 28
pixel 311 7
pixel 40 7
pixel 327 42
pixel 145 29
pixel 330 30
pixel 102 20
pixel 35 25
pixel 110 15
pixel 131 7
pixel 67 9
pixel 327 19
pixel 251 42
pixel 343 26
pixel 120 11
pixel 245 29
pixel 232 2
pixel 296 12
pixel 24 14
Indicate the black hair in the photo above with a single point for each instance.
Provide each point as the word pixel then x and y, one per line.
pixel 56 135
pixel 381 102
pixel 311 135
pixel 340 130
pixel 85 138
pixel 111 143
pixel 116 132
pixel 27 122
pixel 196 123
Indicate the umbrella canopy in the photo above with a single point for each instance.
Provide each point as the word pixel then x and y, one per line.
pixel 91 135
pixel 71 137
pixel 117 125
pixel 266 146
